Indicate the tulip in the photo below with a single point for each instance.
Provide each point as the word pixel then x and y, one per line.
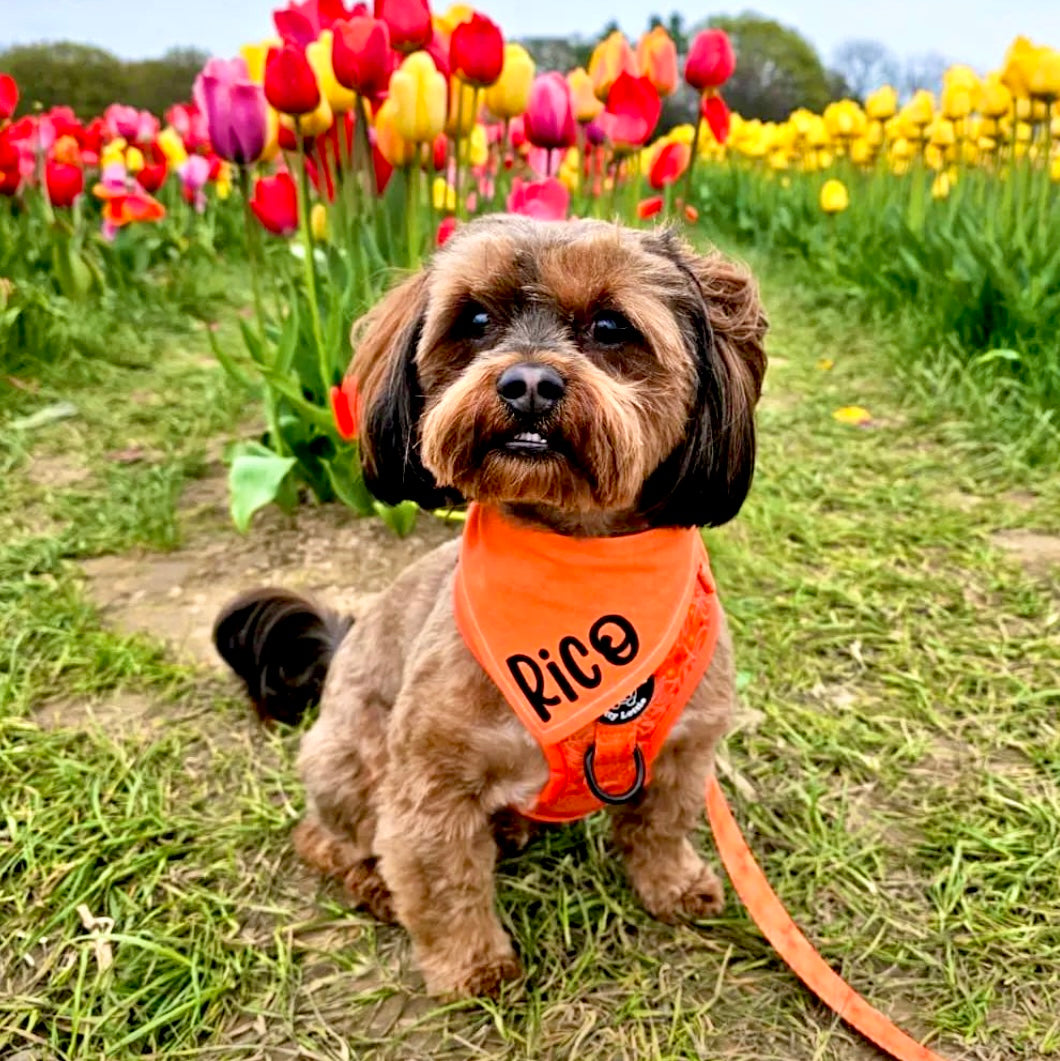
pixel 446 227
pixel 275 204
pixel 444 24
pixel 476 51
pixel 586 105
pixel 657 59
pixel 64 182
pixel 509 96
pixel 254 55
pixel 670 162
pixel 716 114
pixel 361 55
pixel 648 208
pixel 8 96
pixel 997 100
pixel 134 160
pixel 882 104
pixel 172 146
pixel 1020 60
pixel 235 110
pixel 844 119
pixel 319 55
pixel 419 94
pixel 391 145
pixel 611 58
pixel 194 173
pixel 290 85
pixel 1044 81
pixel 129 123
pixel 121 208
pixel 940 187
pixel 67 150
pixel 443 195
pixel 834 197
pixel 711 60
pixel 409 22
pixel 546 200
pixel 463 108
pixel 302 23
pixel 153 175
pixel 550 113
pixel 920 110
pixel 632 110
pixel 318 222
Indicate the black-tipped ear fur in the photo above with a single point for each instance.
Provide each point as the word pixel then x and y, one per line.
pixel 384 365
pixel 706 479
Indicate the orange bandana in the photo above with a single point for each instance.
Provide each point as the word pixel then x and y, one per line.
pixel 596 643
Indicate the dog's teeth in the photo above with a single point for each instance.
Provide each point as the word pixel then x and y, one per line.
pixel 528 436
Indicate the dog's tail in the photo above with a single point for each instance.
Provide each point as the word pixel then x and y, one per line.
pixel 281 646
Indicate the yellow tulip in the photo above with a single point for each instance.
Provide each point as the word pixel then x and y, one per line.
pixel 114 152
pixel 443 195
pixel 682 134
pixel 1044 81
pixel 463 108
pixel 1021 63
pixel 996 100
pixel 586 105
pixel 882 104
pixel 844 119
pixel 318 222
pixel 478 146
pixel 779 160
pixel 957 102
pixel 920 110
pixel 134 160
pixel 1031 110
pixel 254 55
pixel 509 97
pixel 1054 168
pixel 172 147
pixel 611 57
pixel 457 13
pixel 942 134
pixel 315 123
pixel 901 150
pixel 223 184
pixel 392 145
pixel 940 186
pixel 419 94
pixel 817 132
pixel 963 80
pixel 318 54
pixel 861 152
pixel 834 197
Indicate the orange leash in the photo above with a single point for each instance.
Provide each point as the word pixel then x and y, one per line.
pixel 769 915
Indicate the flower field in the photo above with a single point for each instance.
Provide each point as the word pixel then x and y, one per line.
pixel 348 145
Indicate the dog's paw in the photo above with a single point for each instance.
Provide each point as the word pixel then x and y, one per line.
pixel 368 889
pixel 481 979
pixel 700 896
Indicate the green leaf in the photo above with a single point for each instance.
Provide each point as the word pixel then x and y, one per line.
pixel 256 478
pixel 399 518
pixel 348 483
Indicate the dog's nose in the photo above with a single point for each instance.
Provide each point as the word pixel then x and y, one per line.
pixel 529 389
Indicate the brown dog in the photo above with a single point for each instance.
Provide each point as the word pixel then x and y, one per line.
pixel 582 378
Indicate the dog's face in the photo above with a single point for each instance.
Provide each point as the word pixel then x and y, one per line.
pixel 574 368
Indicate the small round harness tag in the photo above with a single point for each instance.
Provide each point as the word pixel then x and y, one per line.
pixel 632 707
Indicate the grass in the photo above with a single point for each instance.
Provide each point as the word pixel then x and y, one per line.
pixel 897 768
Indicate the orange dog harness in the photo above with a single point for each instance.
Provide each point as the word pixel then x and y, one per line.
pixel 596 644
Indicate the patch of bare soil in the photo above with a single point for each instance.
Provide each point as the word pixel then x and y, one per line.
pixel 322 550
pixel 1037 553
pixel 57 471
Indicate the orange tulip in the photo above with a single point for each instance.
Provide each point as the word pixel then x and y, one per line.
pixel 586 105
pixel 611 58
pixel 657 59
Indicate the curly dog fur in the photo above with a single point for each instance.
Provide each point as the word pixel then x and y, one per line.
pixel 416 768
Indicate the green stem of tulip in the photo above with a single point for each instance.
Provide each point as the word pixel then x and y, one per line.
pixel 692 159
pixel 254 257
pixel 412 212
pixel 309 261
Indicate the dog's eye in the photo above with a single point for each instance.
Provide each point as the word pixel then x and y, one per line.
pixel 474 321
pixel 611 329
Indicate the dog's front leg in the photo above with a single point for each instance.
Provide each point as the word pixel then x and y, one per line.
pixel 653 836
pixel 437 855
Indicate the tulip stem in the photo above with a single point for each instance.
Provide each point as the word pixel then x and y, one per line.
pixel 309 261
pixel 692 159
pixel 412 212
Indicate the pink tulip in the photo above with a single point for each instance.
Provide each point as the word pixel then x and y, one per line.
pixel 546 200
pixel 194 173
pixel 235 110
pixel 550 113
pixel 129 123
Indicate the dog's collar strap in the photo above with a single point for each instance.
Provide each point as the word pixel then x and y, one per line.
pixel 596 644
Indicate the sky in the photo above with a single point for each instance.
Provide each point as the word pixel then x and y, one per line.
pixel 972 31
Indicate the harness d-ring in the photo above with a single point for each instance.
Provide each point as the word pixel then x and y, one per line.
pixel 607 797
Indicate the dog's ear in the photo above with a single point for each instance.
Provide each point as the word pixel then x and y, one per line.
pixel 705 480
pixel 390 398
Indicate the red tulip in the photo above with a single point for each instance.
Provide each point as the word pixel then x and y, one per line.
pixel 446 227
pixel 716 115
pixel 409 22
pixel 669 164
pixel 65 183
pixel 711 60
pixel 275 203
pixel 546 200
pixel 382 169
pixel 361 55
pixel 301 24
pixel 632 111
pixel 121 208
pixel 154 174
pixel 346 409
pixel 549 117
pixel 649 207
pixel 10 166
pixel 290 85
pixel 8 96
pixel 476 51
